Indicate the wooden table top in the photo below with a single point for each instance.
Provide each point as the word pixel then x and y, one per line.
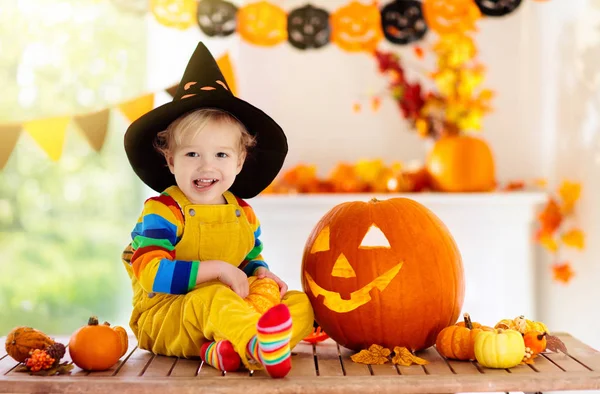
pixel 324 368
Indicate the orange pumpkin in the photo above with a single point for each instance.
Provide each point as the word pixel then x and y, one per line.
pixel 535 341
pixel 383 272
pixel 451 16
pixel 262 23
pixel 264 293
pixel 356 27
pixel 21 340
pixel 97 347
pixel 461 163
pixel 458 341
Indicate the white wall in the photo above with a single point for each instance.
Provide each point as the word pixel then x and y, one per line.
pixel 545 122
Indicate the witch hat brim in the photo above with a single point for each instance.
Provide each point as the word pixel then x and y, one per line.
pixel 203 86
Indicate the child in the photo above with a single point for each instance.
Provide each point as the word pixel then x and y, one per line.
pixel 197 243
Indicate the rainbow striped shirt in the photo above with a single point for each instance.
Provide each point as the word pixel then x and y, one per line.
pixel 157 232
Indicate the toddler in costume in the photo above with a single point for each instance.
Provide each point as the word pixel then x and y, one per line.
pixel 197 243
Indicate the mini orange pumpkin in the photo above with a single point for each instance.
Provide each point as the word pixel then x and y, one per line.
pixel 461 163
pixel 97 347
pixel 458 341
pixel 356 27
pixel 535 341
pixel 21 340
pixel 264 293
pixel 450 16
pixel 262 23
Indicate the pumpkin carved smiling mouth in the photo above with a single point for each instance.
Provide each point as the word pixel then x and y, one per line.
pixel 334 301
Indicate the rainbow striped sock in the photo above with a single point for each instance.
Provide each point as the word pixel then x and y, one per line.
pixel 274 331
pixel 220 355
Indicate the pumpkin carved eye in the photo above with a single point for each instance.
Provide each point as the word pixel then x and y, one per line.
pixel 322 242
pixel 342 268
pixel 374 238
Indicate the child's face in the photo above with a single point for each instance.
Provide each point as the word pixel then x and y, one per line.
pixel 206 164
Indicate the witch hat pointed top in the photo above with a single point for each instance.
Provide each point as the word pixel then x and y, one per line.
pixel 203 86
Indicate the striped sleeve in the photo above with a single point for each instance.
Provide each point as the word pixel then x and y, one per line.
pixel 154 237
pixel 254 258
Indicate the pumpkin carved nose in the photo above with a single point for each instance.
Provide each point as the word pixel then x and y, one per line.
pixel 342 268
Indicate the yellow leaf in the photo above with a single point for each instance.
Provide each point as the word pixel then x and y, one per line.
pixel 405 358
pixel 374 355
pixel 574 238
pixel 368 170
pixel 548 242
pixel 569 193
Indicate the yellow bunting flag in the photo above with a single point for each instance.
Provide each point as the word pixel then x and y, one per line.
pixel 9 135
pixel 49 133
pixel 137 107
pixel 94 127
pixel 224 63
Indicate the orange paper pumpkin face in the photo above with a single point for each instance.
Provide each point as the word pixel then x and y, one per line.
pixel 384 272
pixel 356 27
pixel 450 16
pixel 262 23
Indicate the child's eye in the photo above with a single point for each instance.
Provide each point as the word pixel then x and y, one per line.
pixel 191 154
pixel 222 155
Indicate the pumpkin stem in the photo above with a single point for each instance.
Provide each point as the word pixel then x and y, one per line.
pixel 106 324
pixel 540 336
pixel 93 321
pixel 468 322
pixel 374 199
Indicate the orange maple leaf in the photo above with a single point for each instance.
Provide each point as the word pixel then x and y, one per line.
pixel 569 193
pixel 574 238
pixel 551 217
pixel 563 272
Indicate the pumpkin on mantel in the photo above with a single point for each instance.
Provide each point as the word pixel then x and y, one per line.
pixel 461 163
pixel 384 272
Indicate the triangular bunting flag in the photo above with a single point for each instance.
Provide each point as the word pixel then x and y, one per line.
pixel 49 133
pixel 9 135
pixel 94 127
pixel 137 107
pixel 172 90
pixel 226 67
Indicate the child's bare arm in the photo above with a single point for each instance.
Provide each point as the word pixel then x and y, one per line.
pixel 232 276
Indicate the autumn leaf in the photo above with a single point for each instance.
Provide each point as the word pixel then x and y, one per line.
pixel 554 344
pixel 562 272
pixel 375 103
pixel 374 355
pixel 574 238
pixel 569 193
pixel 551 217
pixel 548 242
pixel 405 358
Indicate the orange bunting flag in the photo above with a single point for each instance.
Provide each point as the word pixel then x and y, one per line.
pixel 137 107
pixel 224 63
pixel 9 135
pixel 49 133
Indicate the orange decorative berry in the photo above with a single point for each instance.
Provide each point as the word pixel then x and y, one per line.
pixel 39 360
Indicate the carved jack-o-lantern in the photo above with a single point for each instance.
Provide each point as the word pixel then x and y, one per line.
pixel 174 13
pixel 497 7
pixel 356 27
pixel 450 16
pixel 383 272
pixel 402 21
pixel 217 17
pixel 308 27
pixel 262 23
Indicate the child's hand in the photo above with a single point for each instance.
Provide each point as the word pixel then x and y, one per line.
pixel 235 278
pixel 262 272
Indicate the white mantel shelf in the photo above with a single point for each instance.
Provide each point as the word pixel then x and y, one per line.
pixel 493 231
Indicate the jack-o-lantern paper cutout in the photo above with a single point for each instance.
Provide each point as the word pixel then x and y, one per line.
pixel 308 27
pixel 356 27
pixel 497 7
pixel 451 16
pixel 402 21
pixel 179 14
pixel 385 272
pixel 217 17
pixel 262 23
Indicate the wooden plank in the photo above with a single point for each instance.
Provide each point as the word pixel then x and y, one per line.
pixel 328 360
pixel 545 366
pixel 581 352
pixel 303 362
pixel 241 374
pixel 522 369
pixel 135 364
pixel 160 366
pixel 437 364
pixel 185 368
pixel 388 369
pixel 208 371
pixel 113 370
pixel 7 365
pixel 564 362
pixel 350 367
pixel 463 367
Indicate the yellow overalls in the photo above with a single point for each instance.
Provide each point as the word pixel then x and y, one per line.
pixel 177 325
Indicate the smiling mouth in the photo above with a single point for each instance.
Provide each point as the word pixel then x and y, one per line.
pixel 203 183
pixel 364 38
pixel 334 301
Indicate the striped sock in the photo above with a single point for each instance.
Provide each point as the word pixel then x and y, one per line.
pixel 220 355
pixel 274 333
